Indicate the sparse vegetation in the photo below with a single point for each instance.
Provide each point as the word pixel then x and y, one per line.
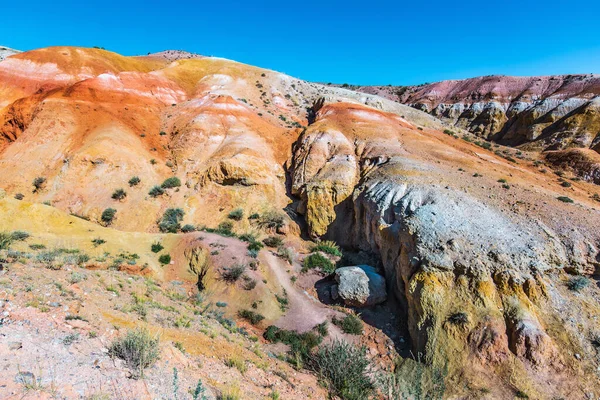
pixel 458 318
pixel 134 181
pixel 578 283
pixel 236 214
pixel 38 184
pixel 188 228
pixel 98 242
pixel 350 324
pixel 565 199
pixel 328 247
pixel 19 236
pixel 170 222
pixel 156 191
pixel 164 259
pixel 138 348
pixel 238 363
pixel 233 273
pixel 19 196
pixel 108 216
pixel 156 247
pixel 119 194
pixel 273 241
pixel 253 317
pixel 317 260
pixel 345 368
pixel 271 220
pixel 170 183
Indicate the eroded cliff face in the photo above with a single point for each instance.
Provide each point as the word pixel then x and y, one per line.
pixel 449 246
pixel 542 113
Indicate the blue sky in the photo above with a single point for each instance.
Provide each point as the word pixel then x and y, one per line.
pixel 359 42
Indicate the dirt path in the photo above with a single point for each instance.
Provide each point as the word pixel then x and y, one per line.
pixel 304 311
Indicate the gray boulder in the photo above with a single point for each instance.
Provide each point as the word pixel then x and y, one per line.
pixel 360 286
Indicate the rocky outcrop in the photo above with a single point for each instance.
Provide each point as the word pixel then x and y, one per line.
pixel 548 112
pixel 582 162
pixel 359 286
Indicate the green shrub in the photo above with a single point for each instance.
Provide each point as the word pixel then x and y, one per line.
pixel 188 228
pixel 254 216
pixel 170 222
pixel 318 260
pixel 565 184
pixel 108 216
pixel 565 199
pixel 6 240
pixel 249 283
pixel 349 324
pixel 253 317
pixel 233 273
pixel 578 283
pixel 236 214
pixel 300 343
pixel 273 241
pixel 119 194
pixel 156 191
pixel 156 247
pixel 255 246
pixel 345 368
pixel 328 247
pixel 38 184
pixel 20 235
pixel 171 183
pixel 286 253
pixel 271 220
pixel 134 181
pixel 247 237
pixel 225 229
pixel 98 241
pixel 164 259
pixel 138 348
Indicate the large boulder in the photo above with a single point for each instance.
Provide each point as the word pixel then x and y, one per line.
pixel 360 286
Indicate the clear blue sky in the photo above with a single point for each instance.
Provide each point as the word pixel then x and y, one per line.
pixel 360 42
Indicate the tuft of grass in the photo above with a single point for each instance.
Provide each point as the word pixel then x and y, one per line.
pixel 350 324
pixel 156 247
pixel 19 236
pixel 458 318
pixel 271 220
pixel 138 348
pixel 345 368
pixel 233 273
pixel 328 247
pixel 156 191
pixel 108 216
pixel 188 228
pixel 565 199
pixel 38 184
pixel 578 283
pixel 98 241
pixel 119 194
pixel 171 220
pixel 134 181
pixel 237 363
pixel 170 183
pixel 236 214
pixel 273 241
pixel 251 316
pixel 318 260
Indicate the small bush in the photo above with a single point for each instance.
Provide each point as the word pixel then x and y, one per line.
pixel 170 222
pixel 225 229
pixel 108 216
pixel 271 220
pixel 345 367
pixel 170 183
pixel 253 317
pixel 233 273
pixel 328 247
pixel 134 181
pixel 6 240
pixel 273 241
pixel 350 324
pixel 300 343
pixel 565 184
pixel 247 237
pixel 20 235
pixel 317 260
pixel 236 214
pixel 250 284
pixel 98 241
pixel 164 259
pixel 188 228
pixel 156 247
pixel 38 184
pixel 255 246
pixel 565 199
pixel 286 253
pixel 578 283
pixel 119 194
pixel 156 191
pixel 254 216
pixel 238 363
pixel 138 349
pixel 19 196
